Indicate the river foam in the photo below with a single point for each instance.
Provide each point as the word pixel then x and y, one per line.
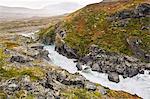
pixel 139 84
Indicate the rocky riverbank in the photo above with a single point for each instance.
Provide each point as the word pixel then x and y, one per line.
pixel 118 48
pixel 26 71
pixel 112 63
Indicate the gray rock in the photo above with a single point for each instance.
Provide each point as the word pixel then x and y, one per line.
pixel 19 59
pixel 49 95
pixel 134 44
pixel 61 77
pixel 37 46
pixel 79 66
pixel 141 71
pixel 114 77
pixel 147 66
pixel 133 71
pixel 13 87
pixel 44 54
pixel 66 51
pixel 131 59
pixel 143 9
pixel 90 86
pixel 95 67
pixel 120 69
pixel 102 90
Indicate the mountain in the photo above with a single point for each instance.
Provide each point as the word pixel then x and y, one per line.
pixel 11 13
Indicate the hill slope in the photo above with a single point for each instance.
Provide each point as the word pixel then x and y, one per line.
pixel 114 26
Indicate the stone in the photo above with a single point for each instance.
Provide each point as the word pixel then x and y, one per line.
pixel 25 79
pixel 79 66
pixel 61 77
pixel 120 69
pixel 37 46
pixel 19 59
pixel 13 87
pixel 133 71
pixel 141 71
pixel 86 59
pixel 114 77
pixel 147 66
pixel 143 10
pixel 95 67
pixel 49 95
pixel 66 51
pixel 90 86
pixel 44 54
pixel 102 90
pixel 131 59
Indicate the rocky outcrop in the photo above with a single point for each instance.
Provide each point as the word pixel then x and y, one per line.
pixel 66 51
pixel 49 87
pixel 112 63
pixel 142 10
pixel 134 44
pixel 63 48
pixel 19 59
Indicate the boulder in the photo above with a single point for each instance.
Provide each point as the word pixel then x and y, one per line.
pixel 120 69
pixel 19 59
pixel 90 86
pixel 95 67
pixel 44 54
pixel 12 87
pixel 147 66
pixel 133 71
pixel 86 59
pixel 79 66
pixel 114 77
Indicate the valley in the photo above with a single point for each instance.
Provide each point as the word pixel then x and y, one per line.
pixel 100 51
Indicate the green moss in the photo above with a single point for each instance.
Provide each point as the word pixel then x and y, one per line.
pixel 81 94
pixel 34 72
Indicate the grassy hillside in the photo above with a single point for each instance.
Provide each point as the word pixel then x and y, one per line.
pixel 98 24
pixel 107 24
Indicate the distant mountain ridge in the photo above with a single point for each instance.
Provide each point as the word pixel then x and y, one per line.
pixel 11 13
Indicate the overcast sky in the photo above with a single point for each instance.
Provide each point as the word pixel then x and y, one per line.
pixel 37 4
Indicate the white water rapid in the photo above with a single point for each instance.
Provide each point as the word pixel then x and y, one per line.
pixel 139 84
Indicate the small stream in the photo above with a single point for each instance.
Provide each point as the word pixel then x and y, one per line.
pixel 139 84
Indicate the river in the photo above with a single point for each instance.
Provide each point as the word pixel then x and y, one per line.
pixel 139 84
